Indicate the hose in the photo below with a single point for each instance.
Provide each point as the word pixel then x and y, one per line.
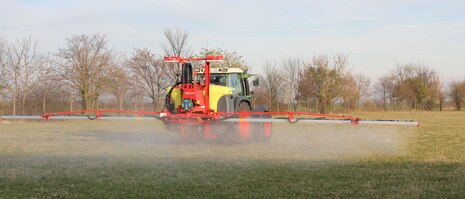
pixel 168 97
pixel 186 78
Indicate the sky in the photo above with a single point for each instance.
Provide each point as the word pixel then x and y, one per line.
pixel 375 35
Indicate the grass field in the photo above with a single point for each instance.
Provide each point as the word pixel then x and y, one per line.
pixel 113 159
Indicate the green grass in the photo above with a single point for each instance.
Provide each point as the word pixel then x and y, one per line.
pixel 111 159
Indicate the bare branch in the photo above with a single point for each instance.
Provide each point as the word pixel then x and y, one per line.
pixel 149 75
pixel 84 66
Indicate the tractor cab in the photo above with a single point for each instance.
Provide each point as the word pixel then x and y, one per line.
pixel 229 88
pixel 234 78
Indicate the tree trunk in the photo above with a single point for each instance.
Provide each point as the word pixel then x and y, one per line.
pixel 154 104
pixel 23 105
pixel 120 106
pixel 71 104
pixel 384 104
pixel 43 104
pixel 135 106
pixel 14 104
pixel 308 105
pixel 317 106
pixel 142 103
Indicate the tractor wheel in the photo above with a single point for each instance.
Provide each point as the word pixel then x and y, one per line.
pixel 244 136
pixel 240 132
pixel 267 131
pixel 236 133
pixel 243 106
pixel 262 131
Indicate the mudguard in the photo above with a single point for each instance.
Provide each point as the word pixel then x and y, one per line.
pixel 239 99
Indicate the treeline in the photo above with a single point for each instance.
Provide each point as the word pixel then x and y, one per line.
pixel 326 84
pixel 86 74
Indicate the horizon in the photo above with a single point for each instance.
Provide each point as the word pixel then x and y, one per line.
pixel 375 35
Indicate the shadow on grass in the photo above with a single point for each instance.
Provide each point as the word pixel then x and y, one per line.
pixel 106 177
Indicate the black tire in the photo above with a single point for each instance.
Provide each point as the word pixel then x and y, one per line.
pixel 259 128
pixel 259 133
pixel 235 137
pixel 243 106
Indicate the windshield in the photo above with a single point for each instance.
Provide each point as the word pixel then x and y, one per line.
pixel 215 79
pixel 233 80
pixel 218 79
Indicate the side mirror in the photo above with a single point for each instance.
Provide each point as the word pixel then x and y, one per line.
pixel 256 82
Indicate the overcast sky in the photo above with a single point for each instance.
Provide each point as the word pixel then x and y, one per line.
pixel 376 35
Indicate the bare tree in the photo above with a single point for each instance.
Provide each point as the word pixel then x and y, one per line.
pixel 417 86
pixel 149 75
pixel 176 44
pixel 350 93
pixel 48 96
pixel 272 85
pixel 362 83
pixel 402 92
pixel 83 66
pixel 437 92
pixel 291 70
pixel 120 84
pixel 323 80
pixel 355 90
pixel 384 88
pixel 23 70
pixel 47 85
pixel 4 54
pixel 457 94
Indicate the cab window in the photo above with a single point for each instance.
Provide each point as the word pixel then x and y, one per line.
pixel 237 84
pixel 218 79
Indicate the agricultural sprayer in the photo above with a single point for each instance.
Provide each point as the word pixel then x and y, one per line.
pixel 215 104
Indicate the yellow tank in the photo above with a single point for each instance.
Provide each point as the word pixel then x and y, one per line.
pixel 216 92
